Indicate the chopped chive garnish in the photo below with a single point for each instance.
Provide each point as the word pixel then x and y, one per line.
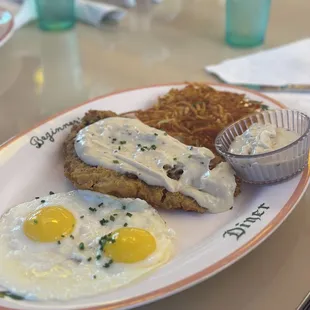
pixel 174 158
pixel 71 236
pixel 81 246
pixel 37 197
pixel 82 216
pixel 98 257
pixel 124 207
pixel 102 242
pixel 108 264
pixel 58 242
pixel 202 162
pixel 142 149
pixel 100 204
pixel 92 209
pixel 35 221
pixel 112 218
pixel 191 148
pixel 139 145
pixel 125 225
pixel 89 259
pixel 103 221
pixel 119 148
pixel 115 162
pixel 94 276
pixel 129 214
pixel 189 156
pixel 114 139
pixel 155 134
pixel 230 208
pixel 62 236
pixel 51 193
pixel 115 214
pixel 42 201
pixel 122 142
pixel 153 147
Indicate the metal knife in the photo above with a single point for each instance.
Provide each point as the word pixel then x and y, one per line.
pixel 296 88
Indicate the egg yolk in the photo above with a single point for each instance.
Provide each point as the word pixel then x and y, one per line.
pixel 131 245
pixel 49 224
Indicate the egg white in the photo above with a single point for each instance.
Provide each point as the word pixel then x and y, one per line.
pixel 51 271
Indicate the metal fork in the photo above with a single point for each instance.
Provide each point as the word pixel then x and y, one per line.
pixel 305 304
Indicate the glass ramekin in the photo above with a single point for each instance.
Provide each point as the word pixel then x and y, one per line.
pixel 271 167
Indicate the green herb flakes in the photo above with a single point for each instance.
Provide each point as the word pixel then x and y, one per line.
pixel 81 246
pixel 11 295
pixel 108 264
pixel 103 222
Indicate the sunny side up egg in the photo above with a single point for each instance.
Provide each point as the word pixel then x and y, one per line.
pixel 79 244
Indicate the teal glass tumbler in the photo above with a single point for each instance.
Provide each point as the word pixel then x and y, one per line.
pixel 246 22
pixel 55 15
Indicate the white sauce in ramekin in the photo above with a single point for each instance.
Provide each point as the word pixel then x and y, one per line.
pixel 262 138
pixel 129 146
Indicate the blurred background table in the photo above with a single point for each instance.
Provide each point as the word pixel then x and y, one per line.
pixel 43 73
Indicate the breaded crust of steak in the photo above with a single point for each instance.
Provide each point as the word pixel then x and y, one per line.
pixel 110 182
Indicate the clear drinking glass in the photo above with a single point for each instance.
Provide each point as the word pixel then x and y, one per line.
pixel 56 14
pixel 277 165
pixel 246 22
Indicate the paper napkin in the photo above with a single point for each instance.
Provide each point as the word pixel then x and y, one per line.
pixel 90 12
pixel 288 64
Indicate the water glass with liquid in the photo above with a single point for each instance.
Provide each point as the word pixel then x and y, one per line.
pixel 246 22
pixel 56 15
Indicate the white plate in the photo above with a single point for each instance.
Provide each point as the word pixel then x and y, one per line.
pixel 32 166
pixel 6 25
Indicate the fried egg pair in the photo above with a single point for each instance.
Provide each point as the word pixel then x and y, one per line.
pixel 79 244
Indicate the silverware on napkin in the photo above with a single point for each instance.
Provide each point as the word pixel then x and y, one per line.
pixel 296 88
